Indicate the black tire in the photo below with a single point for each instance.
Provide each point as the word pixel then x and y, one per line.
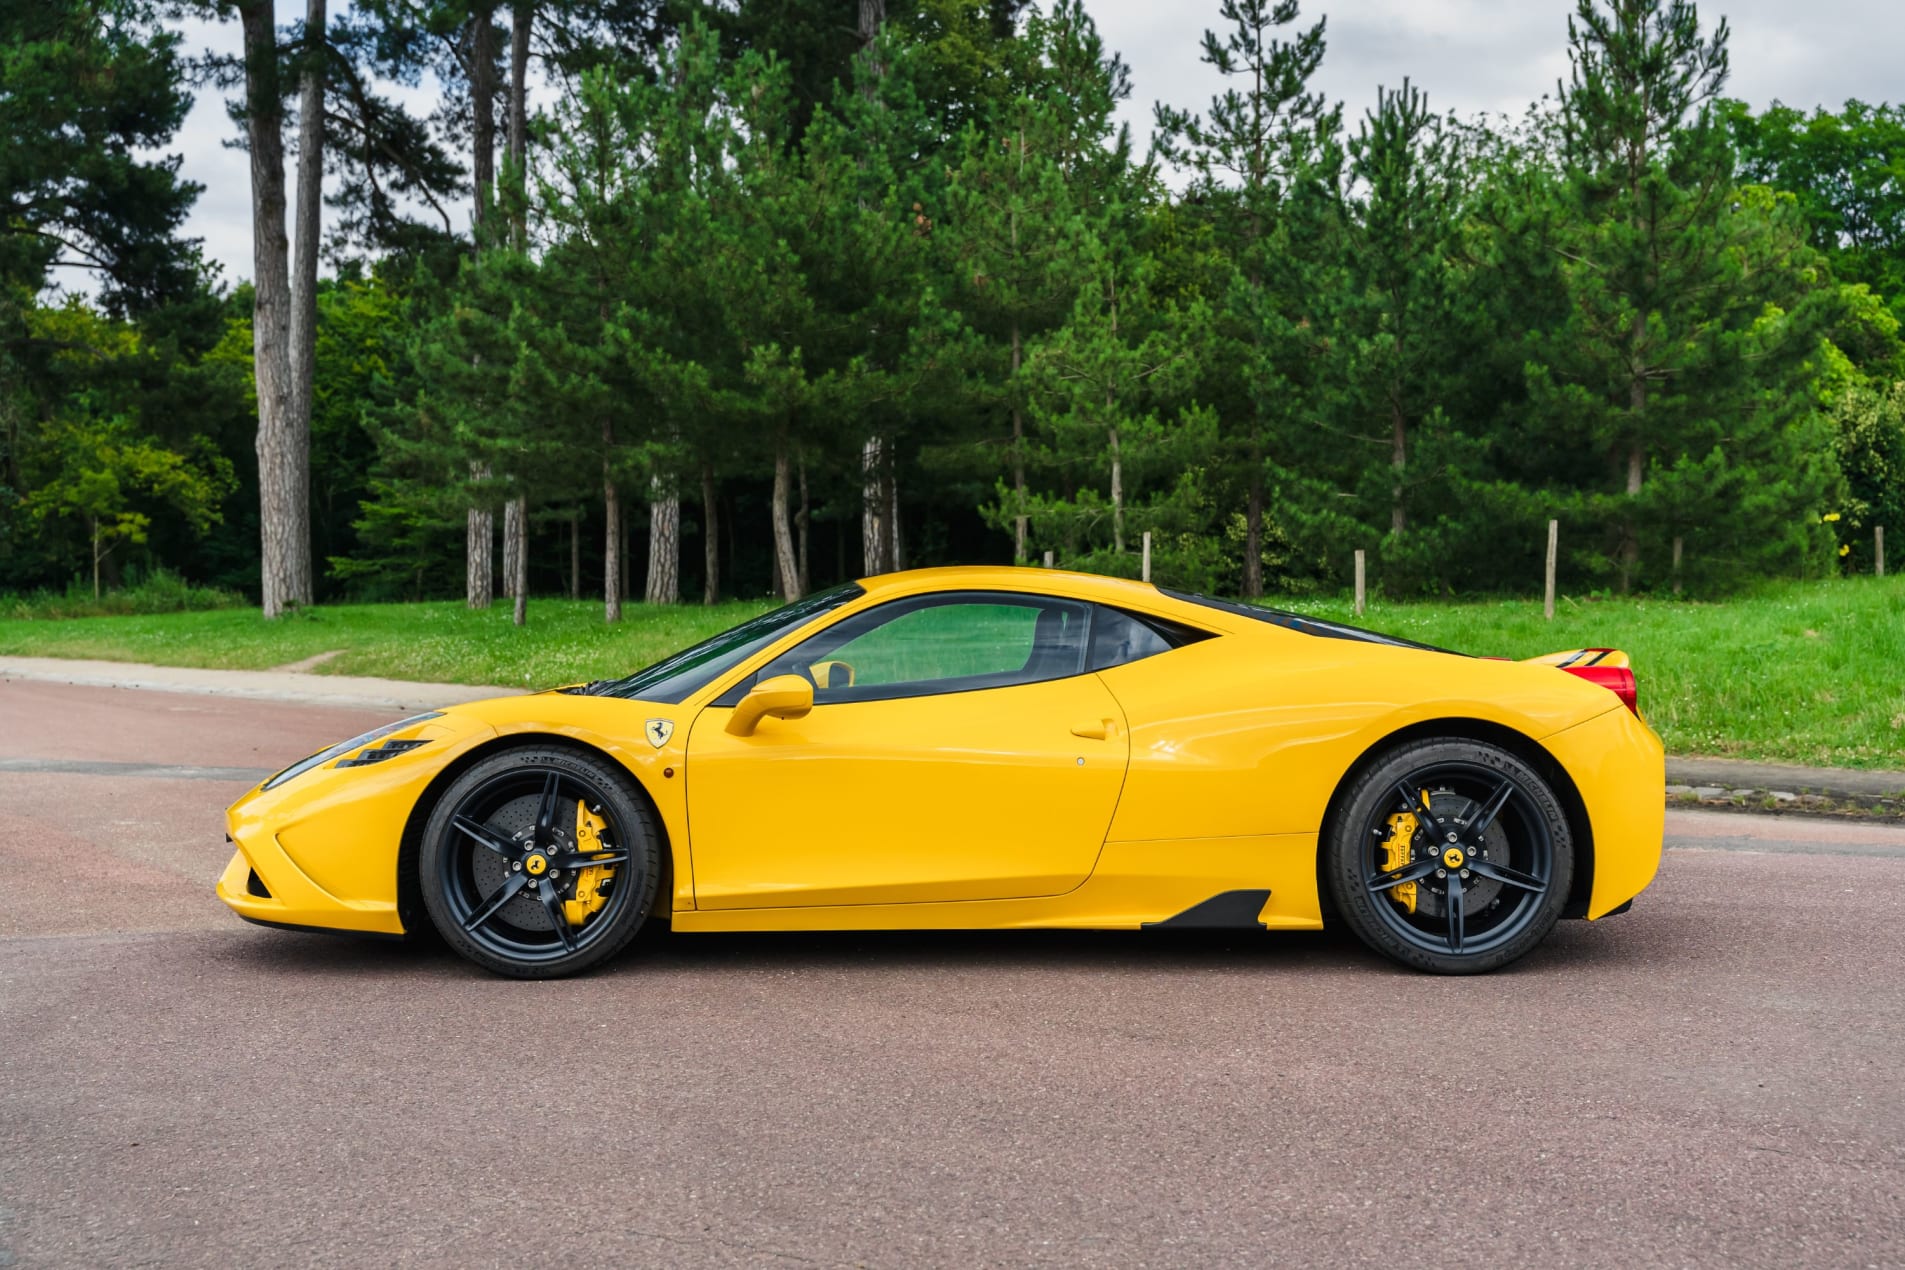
pixel 511 824
pixel 1514 864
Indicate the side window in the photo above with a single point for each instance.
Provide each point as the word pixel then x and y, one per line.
pixel 1118 637
pixel 941 643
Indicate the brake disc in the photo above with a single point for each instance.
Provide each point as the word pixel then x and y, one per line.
pixel 1477 892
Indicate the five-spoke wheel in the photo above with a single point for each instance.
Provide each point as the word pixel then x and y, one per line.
pixel 1451 855
pixel 538 862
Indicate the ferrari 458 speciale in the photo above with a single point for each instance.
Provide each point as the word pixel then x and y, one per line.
pixel 985 748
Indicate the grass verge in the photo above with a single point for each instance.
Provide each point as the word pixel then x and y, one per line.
pixel 1798 672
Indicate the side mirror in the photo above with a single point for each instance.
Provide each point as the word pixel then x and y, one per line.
pixel 782 697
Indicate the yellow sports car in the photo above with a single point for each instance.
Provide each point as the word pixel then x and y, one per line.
pixel 982 748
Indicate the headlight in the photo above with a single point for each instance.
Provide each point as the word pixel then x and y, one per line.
pixel 345 747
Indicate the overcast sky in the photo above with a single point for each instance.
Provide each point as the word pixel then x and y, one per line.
pixel 1467 55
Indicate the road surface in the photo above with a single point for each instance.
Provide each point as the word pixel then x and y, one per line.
pixel 1712 1079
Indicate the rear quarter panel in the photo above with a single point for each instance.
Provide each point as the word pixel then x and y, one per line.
pixel 1251 732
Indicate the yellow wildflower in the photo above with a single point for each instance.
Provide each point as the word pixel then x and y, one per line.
pixel 1829 517
pixel 1845 549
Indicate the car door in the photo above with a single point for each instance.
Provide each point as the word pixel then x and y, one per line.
pixel 958 749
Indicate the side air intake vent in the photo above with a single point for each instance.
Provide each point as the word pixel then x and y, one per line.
pixel 254 885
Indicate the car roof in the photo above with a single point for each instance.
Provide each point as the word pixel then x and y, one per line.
pixel 1013 578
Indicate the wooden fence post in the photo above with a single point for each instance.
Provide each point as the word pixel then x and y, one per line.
pixel 1147 555
pixel 1554 539
pixel 1878 550
pixel 1359 583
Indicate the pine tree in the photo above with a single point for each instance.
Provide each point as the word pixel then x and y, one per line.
pixel 1391 333
pixel 1027 190
pixel 1680 361
pixel 1254 162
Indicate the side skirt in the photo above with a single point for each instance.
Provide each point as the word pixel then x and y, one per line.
pixel 1230 910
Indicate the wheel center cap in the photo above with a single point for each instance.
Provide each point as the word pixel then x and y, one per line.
pixel 536 865
pixel 1453 858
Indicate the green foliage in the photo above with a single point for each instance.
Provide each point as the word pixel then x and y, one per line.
pixel 160 591
pixel 1693 308
pixel 832 298
pixel 1847 171
pixel 88 87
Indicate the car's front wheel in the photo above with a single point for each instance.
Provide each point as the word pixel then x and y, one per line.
pixel 539 861
pixel 1452 856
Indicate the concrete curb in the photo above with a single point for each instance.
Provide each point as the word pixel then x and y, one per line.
pixel 258 685
pixel 1730 784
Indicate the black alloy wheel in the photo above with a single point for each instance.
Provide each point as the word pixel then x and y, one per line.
pixel 1451 856
pixel 539 862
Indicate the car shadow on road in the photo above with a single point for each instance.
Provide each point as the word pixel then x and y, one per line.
pixel 657 950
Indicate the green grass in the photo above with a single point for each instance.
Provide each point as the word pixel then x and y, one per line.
pixel 1805 673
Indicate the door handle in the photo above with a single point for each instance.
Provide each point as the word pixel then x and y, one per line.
pixel 1092 729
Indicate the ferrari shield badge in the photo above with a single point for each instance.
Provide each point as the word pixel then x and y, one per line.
pixel 659 730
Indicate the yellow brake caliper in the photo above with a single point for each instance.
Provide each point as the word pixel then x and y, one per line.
pixel 1402 827
pixel 589 882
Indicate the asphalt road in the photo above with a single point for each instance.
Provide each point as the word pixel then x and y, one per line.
pixel 1712 1079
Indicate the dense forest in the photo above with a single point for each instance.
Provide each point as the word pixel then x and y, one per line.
pixel 759 296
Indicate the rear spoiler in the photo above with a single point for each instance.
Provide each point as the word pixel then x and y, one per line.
pixel 1609 667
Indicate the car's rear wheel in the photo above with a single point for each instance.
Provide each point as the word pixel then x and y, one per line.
pixel 539 861
pixel 1452 856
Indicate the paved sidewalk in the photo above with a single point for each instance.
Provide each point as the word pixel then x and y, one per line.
pixel 262 685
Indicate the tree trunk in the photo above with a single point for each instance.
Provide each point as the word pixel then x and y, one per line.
pixel 575 554
pixel 521 27
pixel 514 513
pixel 482 72
pixel 710 539
pixel 664 545
pixel 271 305
pixel 872 18
pixel 612 546
pixel 1253 534
pixel 96 558
pixel 1636 450
pixel 479 554
pixel 893 538
pixel 519 580
pixel 876 545
pixel 1117 459
pixel 1019 519
pixel 627 553
pixel 295 568
pixel 801 521
pixel 1398 454
pixel 784 562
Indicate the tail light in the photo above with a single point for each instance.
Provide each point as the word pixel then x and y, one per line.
pixel 1618 680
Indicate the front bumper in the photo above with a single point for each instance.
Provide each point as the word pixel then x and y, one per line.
pixel 294 900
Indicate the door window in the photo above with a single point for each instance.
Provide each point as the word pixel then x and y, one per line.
pixel 940 643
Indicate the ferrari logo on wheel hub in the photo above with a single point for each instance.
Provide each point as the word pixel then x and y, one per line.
pixel 536 865
pixel 1453 858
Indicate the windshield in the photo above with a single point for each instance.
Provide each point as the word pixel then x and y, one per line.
pixel 673 678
